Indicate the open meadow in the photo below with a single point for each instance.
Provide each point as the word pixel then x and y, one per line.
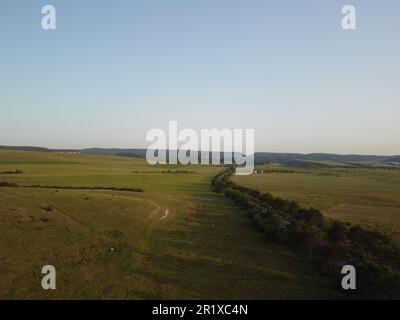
pixel 364 196
pixel 118 228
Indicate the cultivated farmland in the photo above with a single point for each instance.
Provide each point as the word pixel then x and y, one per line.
pixel 358 195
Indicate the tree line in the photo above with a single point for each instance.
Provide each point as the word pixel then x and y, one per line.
pixel 328 244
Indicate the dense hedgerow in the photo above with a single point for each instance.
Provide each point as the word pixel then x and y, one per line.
pixel 329 244
pixel 39 186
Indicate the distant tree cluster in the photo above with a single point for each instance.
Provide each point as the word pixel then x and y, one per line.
pixel 329 244
pixel 177 171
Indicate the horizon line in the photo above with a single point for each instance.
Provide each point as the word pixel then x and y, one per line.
pixel 133 148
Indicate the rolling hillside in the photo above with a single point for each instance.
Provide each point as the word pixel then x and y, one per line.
pixel 175 240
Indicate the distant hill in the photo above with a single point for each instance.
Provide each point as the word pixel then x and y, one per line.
pixel 25 148
pixel 38 149
pixel 394 159
pixel 100 151
pixel 259 157
pixel 265 157
pixel 141 153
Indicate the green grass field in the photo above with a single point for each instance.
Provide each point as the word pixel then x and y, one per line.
pixel 177 239
pixel 364 196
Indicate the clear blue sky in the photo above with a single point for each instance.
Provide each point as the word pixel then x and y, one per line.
pixel 114 69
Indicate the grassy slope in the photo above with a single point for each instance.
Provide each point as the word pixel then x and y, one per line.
pixel 366 196
pixel 108 244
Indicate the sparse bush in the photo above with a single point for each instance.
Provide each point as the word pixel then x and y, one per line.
pixel 47 208
pixel 7 184
pixel 17 171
